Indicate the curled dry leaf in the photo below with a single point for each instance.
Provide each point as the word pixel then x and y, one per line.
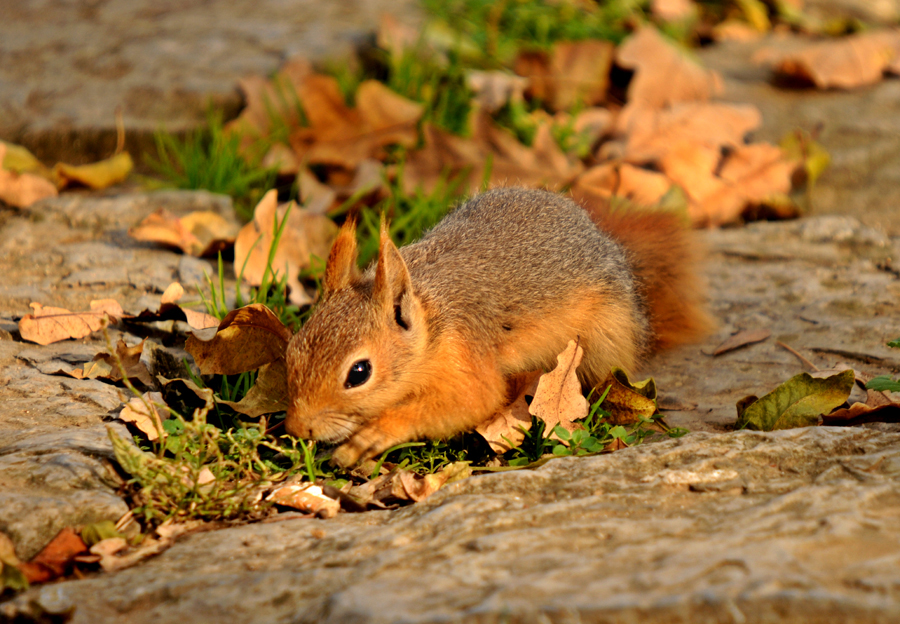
pixel 846 63
pixel 742 339
pixel 663 75
pixel 494 89
pixel 46 324
pixel 247 338
pixel 268 395
pixel 638 185
pixel 558 399
pixel 505 428
pixel 307 497
pixel 304 235
pixel 104 365
pixel 98 175
pixel 343 137
pixel 201 233
pixel 878 407
pixel 628 402
pixel 22 189
pixel 146 420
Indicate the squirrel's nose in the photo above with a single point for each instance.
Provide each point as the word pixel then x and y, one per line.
pixel 295 424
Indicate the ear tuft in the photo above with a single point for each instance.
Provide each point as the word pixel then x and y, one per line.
pixel 392 279
pixel 341 270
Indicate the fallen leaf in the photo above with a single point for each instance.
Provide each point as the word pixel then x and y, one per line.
pixel 55 560
pixel 878 407
pixel 627 402
pixel 573 73
pixel 317 198
pixel 303 236
pixel 846 63
pixel 247 338
pixel 106 550
pixel 742 339
pixel 11 577
pixel 147 421
pixel 105 366
pixel 307 497
pixel 797 403
pixel 663 75
pixel 22 189
pixel 673 10
pixel 96 532
pixel 343 137
pixel 638 185
pixel 558 399
pixel 170 310
pixel 47 324
pixel 200 233
pixel 505 428
pixel 98 175
pixel 18 159
pixel 268 395
pixel 495 88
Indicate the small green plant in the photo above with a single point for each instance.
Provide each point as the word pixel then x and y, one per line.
pixel 884 383
pixel 211 159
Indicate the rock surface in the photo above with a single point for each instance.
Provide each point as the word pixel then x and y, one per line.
pixel 66 68
pixel 793 526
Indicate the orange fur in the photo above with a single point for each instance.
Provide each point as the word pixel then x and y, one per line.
pixel 665 258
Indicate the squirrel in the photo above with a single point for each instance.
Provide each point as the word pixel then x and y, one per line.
pixel 425 342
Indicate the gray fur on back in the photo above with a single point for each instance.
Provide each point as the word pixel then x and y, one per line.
pixel 535 248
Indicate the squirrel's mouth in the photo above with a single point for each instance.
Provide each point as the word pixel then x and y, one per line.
pixel 323 426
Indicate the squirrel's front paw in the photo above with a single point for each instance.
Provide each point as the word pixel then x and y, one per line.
pixel 346 455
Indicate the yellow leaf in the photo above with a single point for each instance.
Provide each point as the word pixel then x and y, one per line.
pixel 98 175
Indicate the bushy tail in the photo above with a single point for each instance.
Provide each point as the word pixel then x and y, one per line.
pixel 665 257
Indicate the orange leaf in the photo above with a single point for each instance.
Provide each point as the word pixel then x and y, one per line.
pixel 558 399
pixel 47 325
pixel 508 423
pixel 200 233
pixel 22 189
pixel 55 559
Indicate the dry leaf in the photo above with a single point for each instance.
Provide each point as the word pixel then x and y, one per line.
pixel 106 550
pixel 572 73
pixel 307 497
pixel 558 399
pixel 663 74
pixel 628 402
pixel 201 233
pixel 268 395
pixel 742 339
pixel 845 63
pixel 303 236
pixel 343 137
pixel 22 189
pixel 673 10
pixel 640 186
pixel 506 426
pixel 104 365
pixel 47 324
pixel 148 422
pixel 879 407
pixel 494 89
pixel 98 175
pixel 247 338
pixel 317 198
pixel 56 559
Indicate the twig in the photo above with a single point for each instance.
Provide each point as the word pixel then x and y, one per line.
pixel 798 356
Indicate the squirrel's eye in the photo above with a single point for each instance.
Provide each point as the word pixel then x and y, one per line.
pixel 359 374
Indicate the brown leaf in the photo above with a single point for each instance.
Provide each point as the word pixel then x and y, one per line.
pixel 55 560
pixel 508 423
pixel 47 324
pixel 558 399
pixel 97 175
pixel 572 73
pixel 845 63
pixel 104 365
pixel 22 189
pixel 494 89
pixel 879 407
pixel 742 339
pixel 147 421
pixel 640 186
pixel 663 76
pixel 628 403
pixel 343 137
pixel 673 10
pixel 307 497
pixel 107 551
pixel 247 338
pixel 268 395
pixel 201 233
pixel 303 236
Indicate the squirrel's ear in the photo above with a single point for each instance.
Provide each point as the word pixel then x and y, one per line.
pixel 341 269
pixel 391 275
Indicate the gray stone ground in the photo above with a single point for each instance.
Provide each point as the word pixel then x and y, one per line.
pixel 798 526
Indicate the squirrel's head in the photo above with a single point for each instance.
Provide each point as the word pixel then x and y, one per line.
pixel 358 353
